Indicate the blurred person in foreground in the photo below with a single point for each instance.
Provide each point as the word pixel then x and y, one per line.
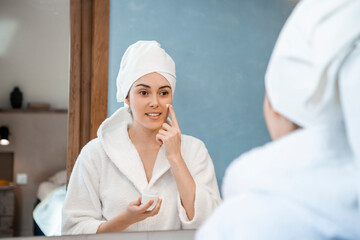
pixel 305 183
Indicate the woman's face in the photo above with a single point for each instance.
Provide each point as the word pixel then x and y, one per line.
pixel 147 99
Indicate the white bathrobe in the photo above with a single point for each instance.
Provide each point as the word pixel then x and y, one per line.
pixel 302 186
pixel 109 174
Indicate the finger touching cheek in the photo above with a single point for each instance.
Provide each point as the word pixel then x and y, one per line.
pixel 159 139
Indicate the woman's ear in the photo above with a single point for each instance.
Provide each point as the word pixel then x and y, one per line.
pixel 273 112
pixel 276 114
pixel 267 102
pixel 127 101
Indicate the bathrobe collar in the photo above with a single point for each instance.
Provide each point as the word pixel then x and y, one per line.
pixel 114 138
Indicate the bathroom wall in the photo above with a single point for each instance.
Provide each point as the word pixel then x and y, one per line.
pixel 38 141
pixel 221 50
pixel 34 51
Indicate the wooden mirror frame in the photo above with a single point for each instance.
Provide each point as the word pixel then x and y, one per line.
pixel 89 57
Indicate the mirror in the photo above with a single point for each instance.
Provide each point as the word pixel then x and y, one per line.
pixel 221 50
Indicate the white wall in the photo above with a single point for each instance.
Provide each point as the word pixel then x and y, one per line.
pixel 39 142
pixel 34 55
pixel 34 51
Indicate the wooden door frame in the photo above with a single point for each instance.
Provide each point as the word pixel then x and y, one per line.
pixel 89 57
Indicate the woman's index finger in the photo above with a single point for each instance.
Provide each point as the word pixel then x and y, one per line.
pixel 173 117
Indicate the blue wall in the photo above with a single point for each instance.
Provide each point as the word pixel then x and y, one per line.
pixel 221 50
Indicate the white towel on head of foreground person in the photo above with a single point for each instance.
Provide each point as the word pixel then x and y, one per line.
pixel 305 184
pixel 141 58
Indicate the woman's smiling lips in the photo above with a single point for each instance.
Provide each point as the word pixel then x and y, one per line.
pixel 153 115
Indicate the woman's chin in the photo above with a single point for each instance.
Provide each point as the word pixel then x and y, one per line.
pixel 153 126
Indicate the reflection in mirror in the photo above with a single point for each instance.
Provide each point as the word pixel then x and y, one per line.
pixel 140 156
pixel 212 48
pixel 221 52
pixel 34 56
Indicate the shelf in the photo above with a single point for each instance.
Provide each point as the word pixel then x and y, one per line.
pixel 6 187
pixel 33 110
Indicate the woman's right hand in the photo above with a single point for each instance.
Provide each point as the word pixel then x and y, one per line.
pixel 134 213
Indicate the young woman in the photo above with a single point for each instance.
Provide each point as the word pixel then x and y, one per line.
pixel 305 183
pixel 140 151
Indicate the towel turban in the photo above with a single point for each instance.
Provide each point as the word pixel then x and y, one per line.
pixel 301 79
pixel 141 58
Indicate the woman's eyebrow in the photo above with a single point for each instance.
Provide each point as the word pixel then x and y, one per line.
pixel 142 85
pixel 166 86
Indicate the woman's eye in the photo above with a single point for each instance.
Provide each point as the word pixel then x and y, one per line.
pixel 143 93
pixel 164 93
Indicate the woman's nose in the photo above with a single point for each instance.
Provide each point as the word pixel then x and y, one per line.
pixel 154 101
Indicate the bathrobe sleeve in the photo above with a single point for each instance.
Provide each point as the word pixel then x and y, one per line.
pixel 207 196
pixel 82 212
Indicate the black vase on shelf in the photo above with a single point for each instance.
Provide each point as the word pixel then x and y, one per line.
pixel 16 98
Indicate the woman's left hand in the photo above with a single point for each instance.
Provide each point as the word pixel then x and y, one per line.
pixel 170 136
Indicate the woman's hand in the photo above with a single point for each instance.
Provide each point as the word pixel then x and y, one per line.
pixel 136 213
pixel 133 214
pixel 170 136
